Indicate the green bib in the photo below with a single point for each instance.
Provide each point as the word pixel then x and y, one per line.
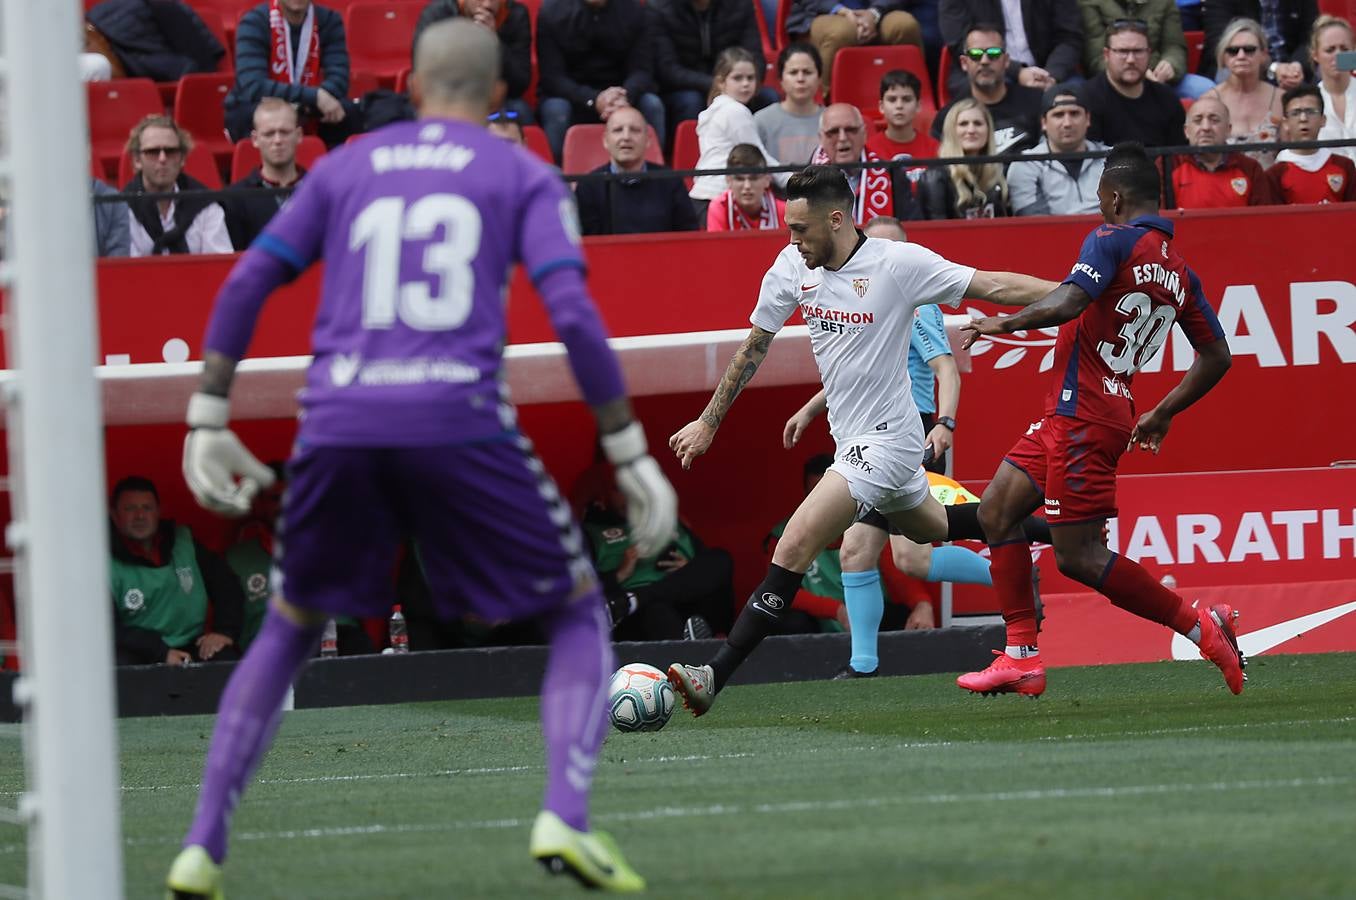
pixel 170 600
pixel 611 537
pixel 251 564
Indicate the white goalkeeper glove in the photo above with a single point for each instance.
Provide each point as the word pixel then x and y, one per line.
pixel 214 458
pixel 651 504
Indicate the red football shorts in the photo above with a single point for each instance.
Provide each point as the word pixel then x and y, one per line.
pixel 1073 464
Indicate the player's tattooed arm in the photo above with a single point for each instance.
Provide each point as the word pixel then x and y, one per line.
pixel 738 373
pixel 218 371
pixel 1061 305
pixel 1008 288
pixel 694 438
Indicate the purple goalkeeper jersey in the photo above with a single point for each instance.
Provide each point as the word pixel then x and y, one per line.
pixel 419 226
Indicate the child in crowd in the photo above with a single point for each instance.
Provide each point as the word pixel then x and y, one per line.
pixel 900 95
pixel 1309 176
pixel 725 123
pixel 748 204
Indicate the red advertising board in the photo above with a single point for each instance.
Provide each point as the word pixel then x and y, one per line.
pixel 1278 545
pixel 1283 280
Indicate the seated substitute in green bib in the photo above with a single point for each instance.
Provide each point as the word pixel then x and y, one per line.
pixel 162 582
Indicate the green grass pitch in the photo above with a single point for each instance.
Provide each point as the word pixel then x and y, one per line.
pixel 1142 781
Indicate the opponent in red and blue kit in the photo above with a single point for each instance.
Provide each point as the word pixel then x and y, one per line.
pixel 1114 310
pixel 408 430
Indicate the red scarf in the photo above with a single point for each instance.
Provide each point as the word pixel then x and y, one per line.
pixel 281 66
pixel 875 188
pixel 768 218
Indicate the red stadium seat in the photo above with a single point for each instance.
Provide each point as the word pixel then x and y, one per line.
pixel 783 10
pixel 943 69
pixel 360 83
pixel 402 84
pixel 584 150
pixel 199 107
pixel 1195 41
pixel 200 165
pixel 770 44
pixel 246 155
pixel 379 37
pixel 857 72
pixel 686 150
pixel 114 107
pixel 535 140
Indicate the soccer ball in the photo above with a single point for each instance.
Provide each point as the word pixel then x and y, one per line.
pixel 640 698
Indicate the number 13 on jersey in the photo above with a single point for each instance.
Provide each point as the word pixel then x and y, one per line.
pixel 379 232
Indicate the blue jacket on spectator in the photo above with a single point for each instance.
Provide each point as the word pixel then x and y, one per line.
pixel 804 12
pixel 253 45
pixel 582 49
pixel 158 39
pixel 112 236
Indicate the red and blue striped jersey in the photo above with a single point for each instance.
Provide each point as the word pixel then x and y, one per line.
pixel 1139 287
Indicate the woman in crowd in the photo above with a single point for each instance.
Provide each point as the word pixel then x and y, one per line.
pixel 1254 104
pixel 790 129
pixel 748 204
pixel 1330 37
pixel 969 191
pixel 725 123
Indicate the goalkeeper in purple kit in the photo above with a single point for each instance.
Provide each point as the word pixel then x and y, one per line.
pixel 407 428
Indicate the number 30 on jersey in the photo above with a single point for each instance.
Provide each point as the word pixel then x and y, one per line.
pixel 1141 336
pixel 379 232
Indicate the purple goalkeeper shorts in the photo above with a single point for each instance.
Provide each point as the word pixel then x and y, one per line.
pixel 495 538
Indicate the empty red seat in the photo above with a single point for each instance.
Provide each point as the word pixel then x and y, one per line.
pixel 536 141
pixel 114 108
pixel 246 155
pixel 199 107
pixel 857 72
pixel 686 149
pixel 380 35
pixel 584 150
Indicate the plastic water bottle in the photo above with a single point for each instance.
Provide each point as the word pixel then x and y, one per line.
pixel 329 640
pixel 400 638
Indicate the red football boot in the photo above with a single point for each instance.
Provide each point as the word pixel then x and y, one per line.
pixel 1006 675
pixel 1219 644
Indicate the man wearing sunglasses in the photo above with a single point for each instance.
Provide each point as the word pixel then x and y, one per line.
pixel 1016 108
pixel 1125 104
pixel 1043 38
pixel 158 148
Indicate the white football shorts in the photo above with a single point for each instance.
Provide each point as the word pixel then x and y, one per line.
pixel 881 474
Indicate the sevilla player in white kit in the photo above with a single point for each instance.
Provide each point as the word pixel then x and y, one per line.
pixel 857 295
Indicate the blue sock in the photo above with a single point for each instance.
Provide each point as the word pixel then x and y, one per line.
pixel 865 606
pixel 958 566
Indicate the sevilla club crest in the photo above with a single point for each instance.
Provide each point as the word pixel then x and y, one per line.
pixel 1335 182
pixel 860 285
pixel 1240 186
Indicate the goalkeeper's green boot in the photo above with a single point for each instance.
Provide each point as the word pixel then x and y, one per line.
pixel 194 876
pixel 591 857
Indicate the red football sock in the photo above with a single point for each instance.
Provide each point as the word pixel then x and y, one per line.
pixel 1010 569
pixel 1134 590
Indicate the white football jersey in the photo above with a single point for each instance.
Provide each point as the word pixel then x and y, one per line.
pixel 860 320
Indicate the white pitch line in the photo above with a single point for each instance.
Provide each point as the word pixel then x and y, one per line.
pixel 702 757
pixel 782 808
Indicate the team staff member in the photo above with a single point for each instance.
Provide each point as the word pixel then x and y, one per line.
pixel 162 581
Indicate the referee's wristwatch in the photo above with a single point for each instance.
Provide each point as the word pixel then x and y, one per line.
pixel 949 422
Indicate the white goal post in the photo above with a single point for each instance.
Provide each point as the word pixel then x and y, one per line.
pixel 59 531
